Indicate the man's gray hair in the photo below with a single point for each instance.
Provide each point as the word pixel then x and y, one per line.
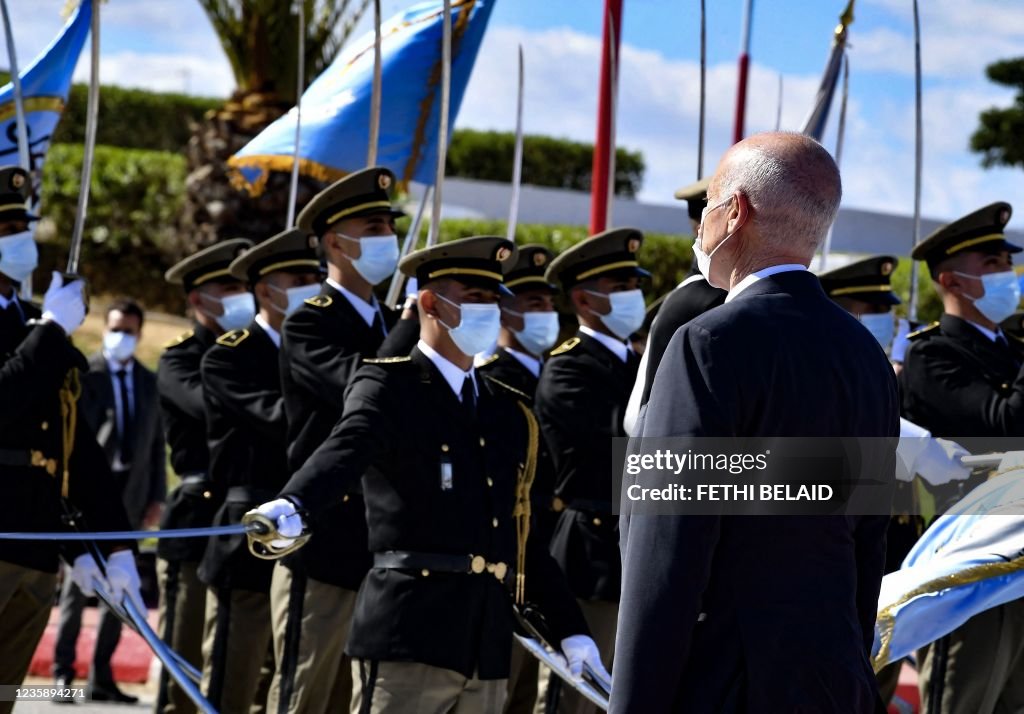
pixel 791 182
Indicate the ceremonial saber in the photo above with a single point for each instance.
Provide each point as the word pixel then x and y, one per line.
pixel 238 529
pixel 517 159
pixel 375 97
pixel 411 237
pixel 91 118
pixel 918 151
pixel 293 189
pixel 557 665
pixel 703 85
pixel 442 128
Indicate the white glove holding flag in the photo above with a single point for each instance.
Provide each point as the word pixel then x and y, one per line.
pixel 123 578
pixel 83 571
pixel 580 650
pixel 64 304
pixel 283 514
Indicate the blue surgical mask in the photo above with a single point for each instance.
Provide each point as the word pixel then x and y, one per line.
pixel 239 311
pixel 295 296
pixel 478 326
pixel 378 257
pixel 881 327
pixel 1002 294
pixel 120 346
pixel 18 256
pixel 540 330
pixel 627 312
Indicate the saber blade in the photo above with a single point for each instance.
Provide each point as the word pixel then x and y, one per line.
pixel 239 529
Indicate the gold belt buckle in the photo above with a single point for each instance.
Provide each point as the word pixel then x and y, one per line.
pixel 40 460
pixel 478 564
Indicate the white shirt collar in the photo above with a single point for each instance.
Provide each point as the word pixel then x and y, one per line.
pixel 366 310
pixel 273 334
pixel 690 279
pixel 452 373
pixel 114 366
pixel 4 302
pixel 527 360
pixel 618 347
pixel 985 331
pixel 762 273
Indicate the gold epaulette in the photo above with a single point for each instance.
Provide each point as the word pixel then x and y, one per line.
pixel 487 361
pixel 179 339
pixel 233 338
pixel 509 388
pixel 565 346
pixel 320 301
pixel 386 360
pixel 923 331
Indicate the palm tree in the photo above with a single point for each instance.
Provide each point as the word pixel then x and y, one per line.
pixel 260 40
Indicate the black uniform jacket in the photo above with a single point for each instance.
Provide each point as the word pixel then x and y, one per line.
pixel 581 400
pixel 441 482
pixel 246 432
pixel 34 362
pixel 786 604
pixel 322 345
pixel 191 504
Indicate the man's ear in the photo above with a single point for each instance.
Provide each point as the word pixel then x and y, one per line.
pixel 193 298
pixel 427 301
pixel 947 280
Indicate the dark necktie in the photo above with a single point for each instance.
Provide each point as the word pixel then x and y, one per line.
pixel 12 313
pixel 127 436
pixel 469 397
pixel 378 325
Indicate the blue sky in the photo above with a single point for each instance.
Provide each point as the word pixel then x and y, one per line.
pixel 168 44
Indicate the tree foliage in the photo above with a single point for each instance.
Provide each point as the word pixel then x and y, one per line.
pixel 999 137
pixel 547 161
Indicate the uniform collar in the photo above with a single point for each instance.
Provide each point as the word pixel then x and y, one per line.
pixel 114 366
pixel 452 373
pixel 527 360
pixel 762 273
pixel 273 334
pixel 617 347
pixel 990 334
pixel 4 302
pixel 366 310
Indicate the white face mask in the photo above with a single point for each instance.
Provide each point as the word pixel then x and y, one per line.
pixel 627 312
pixel 540 330
pixel 239 310
pixel 704 259
pixel 295 296
pixel 120 346
pixel 478 326
pixel 881 326
pixel 378 257
pixel 19 256
pixel 1002 294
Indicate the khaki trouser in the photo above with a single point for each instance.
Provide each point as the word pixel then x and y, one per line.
pixel 414 688
pixel 601 617
pixel 522 681
pixel 984 669
pixel 311 621
pixel 236 648
pixel 181 616
pixel 26 596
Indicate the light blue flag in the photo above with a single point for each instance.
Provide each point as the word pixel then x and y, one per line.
pixel 970 560
pixel 336 107
pixel 44 88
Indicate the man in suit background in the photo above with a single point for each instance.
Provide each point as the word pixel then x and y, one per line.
pixel 119 402
pixel 760 613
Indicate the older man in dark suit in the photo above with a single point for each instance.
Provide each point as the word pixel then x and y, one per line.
pixel 119 402
pixel 760 613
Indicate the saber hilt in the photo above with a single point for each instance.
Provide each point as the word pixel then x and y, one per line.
pixel 261 533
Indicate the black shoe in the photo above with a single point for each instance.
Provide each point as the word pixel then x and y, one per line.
pixel 63 694
pixel 109 693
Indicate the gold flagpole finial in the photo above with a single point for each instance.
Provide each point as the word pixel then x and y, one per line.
pixel 845 20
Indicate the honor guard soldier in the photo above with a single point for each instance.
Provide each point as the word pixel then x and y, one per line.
pixel 692 297
pixel 580 404
pixel 529 328
pixel 54 473
pixel 246 432
pixel 214 296
pixel 446 456
pixel 962 378
pixel 314 591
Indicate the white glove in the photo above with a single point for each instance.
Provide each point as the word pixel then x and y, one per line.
pixel 83 571
pixel 283 514
pixel 900 341
pixel 64 304
pixel 123 578
pixel 580 649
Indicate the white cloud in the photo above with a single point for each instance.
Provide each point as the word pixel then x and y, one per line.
pixel 208 76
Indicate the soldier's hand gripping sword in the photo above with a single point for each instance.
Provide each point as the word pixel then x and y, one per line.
pixel 275 529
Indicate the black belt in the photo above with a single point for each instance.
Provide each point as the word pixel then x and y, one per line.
pixel 590 506
pixel 28 457
pixel 441 563
pixel 248 494
pixel 197 484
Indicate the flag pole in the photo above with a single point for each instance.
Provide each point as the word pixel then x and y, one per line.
pixel 89 150
pixel 918 152
pixel 604 144
pixel 840 135
pixel 24 160
pixel 375 97
pixel 398 280
pixel 442 124
pixel 517 159
pixel 293 189
pixel 744 68
pixel 703 86
pixel 778 106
